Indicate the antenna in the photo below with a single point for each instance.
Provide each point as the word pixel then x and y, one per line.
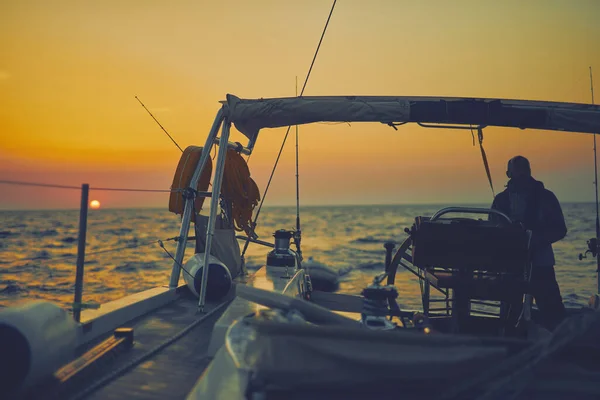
pixel 298 233
pixel 596 187
pixel 161 127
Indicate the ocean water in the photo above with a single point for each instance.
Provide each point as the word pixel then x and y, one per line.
pixel 38 250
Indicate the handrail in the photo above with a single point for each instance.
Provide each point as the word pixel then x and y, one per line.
pixel 470 210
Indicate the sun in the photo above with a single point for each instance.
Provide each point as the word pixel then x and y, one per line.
pixel 94 204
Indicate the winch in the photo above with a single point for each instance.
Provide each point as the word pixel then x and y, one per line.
pixel 282 255
pixel 376 299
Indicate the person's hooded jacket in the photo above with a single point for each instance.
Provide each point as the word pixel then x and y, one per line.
pixel 525 200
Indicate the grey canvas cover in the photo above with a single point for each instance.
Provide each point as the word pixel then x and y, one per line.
pixel 290 357
pixel 252 115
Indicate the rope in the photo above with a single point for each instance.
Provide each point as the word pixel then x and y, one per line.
pixel 485 161
pixel 241 191
pixel 289 127
pixel 52 185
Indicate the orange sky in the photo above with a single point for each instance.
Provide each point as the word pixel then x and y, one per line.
pixel 69 71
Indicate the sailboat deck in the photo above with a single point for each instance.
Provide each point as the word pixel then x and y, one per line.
pixel 151 369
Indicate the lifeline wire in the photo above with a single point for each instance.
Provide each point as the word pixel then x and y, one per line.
pixel 52 185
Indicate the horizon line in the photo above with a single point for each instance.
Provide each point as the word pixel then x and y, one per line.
pixel 281 206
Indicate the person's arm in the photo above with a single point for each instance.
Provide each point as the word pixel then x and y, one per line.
pixel 552 227
pixel 495 206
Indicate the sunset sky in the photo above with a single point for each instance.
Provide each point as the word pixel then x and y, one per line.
pixel 70 71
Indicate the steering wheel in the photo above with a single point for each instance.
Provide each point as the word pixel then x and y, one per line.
pixel 393 267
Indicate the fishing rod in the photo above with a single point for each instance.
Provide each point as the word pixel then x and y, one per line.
pixel 596 187
pixel 161 127
pixel 298 232
pixel 593 243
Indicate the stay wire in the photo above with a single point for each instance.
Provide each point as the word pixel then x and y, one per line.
pixel 289 127
pixel 161 244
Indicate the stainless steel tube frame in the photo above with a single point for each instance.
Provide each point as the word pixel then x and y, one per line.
pixel 189 202
pixel 214 208
pixel 470 210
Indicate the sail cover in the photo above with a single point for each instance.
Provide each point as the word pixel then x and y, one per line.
pixel 250 116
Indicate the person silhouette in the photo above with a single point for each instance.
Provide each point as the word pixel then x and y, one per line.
pixel 526 201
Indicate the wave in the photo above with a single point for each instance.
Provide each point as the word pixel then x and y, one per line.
pixel 371 239
pixel 41 255
pixel 347 241
pixel 118 231
pixel 371 266
pixel 13 288
pixel 55 288
pixel 134 266
pixel 55 246
pixel 7 234
pixel 367 239
pixel 44 233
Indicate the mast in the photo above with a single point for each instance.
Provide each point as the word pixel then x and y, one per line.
pixel 298 233
pixel 596 187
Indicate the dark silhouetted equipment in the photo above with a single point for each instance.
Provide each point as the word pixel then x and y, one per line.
pixel 473 262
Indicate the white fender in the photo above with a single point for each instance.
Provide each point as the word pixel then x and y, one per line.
pixel 36 339
pixel 219 277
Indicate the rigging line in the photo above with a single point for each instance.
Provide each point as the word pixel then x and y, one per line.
pixel 595 163
pixel 289 127
pixel 297 235
pixel 161 127
pixel 318 47
pixel 596 185
pixel 51 185
pixel 139 190
pixel 161 244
